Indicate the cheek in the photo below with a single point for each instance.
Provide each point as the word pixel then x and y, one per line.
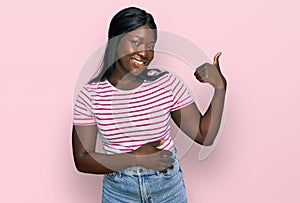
pixel 151 55
pixel 125 49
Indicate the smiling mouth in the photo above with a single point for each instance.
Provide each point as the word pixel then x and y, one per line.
pixel 138 63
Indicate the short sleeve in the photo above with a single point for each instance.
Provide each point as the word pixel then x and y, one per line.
pixel 83 109
pixel 180 94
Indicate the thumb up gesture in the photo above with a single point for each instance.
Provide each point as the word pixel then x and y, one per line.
pixel 211 73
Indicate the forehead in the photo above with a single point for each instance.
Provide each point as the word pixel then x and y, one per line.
pixel 143 32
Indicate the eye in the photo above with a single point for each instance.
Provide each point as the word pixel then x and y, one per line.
pixel 151 47
pixel 134 42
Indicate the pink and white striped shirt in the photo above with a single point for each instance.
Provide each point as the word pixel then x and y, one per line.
pixel 127 119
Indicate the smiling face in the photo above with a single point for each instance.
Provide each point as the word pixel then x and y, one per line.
pixel 135 52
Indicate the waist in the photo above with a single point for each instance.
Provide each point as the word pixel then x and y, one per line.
pixel 111 149
pixel 139 170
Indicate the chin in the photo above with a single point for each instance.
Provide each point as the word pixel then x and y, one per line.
pixel 136 72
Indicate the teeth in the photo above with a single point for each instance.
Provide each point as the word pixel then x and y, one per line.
pixel 138 62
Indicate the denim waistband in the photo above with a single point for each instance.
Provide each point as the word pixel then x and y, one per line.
pixel 139 170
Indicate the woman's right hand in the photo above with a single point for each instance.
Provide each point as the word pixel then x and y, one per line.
pixel 150 157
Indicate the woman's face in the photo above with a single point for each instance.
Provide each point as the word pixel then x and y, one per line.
pixel 135 50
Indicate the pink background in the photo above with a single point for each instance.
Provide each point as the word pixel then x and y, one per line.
pixel 43 47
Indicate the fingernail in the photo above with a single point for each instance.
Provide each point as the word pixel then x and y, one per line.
pixel 163 171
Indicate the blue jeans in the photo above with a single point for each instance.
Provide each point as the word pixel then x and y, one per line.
pixel 137 184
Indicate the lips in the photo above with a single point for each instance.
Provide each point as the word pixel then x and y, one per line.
pixel 138 62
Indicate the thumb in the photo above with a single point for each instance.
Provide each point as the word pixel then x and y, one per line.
pixel 216 60
pixel 157 143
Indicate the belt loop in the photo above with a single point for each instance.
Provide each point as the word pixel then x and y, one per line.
pixel 119 174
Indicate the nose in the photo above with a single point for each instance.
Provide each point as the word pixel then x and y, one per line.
pixel 142 51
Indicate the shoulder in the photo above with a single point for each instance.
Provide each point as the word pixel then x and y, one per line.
pixel 162 74
pixel 95 86
pixel 90 90
pixel 168 79
pixel 172 79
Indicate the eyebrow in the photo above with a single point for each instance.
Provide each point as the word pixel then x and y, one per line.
pixel 152 41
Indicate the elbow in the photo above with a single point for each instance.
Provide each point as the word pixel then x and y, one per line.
pixel 206 138
pixel 207 143
pixel 79 165
pixel 81 168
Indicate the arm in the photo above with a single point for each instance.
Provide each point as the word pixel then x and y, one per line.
pixel 203 129
pixel 88 161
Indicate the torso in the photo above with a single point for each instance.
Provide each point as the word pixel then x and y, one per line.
pixel 127 119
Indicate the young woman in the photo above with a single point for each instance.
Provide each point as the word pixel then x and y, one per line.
pixel 130 106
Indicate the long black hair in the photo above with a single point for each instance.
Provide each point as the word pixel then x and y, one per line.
pixel 123 22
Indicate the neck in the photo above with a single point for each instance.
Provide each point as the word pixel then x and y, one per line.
pixel 125 81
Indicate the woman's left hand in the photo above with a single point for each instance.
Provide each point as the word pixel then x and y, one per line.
pixel 211 73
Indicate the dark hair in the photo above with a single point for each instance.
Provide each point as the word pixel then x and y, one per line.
pixel 123 22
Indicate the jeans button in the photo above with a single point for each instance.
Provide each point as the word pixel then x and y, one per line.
pixel 141 170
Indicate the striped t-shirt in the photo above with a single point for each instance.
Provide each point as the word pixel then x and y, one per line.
pixel 127 119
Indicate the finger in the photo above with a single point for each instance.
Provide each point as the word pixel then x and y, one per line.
pixel 163 171
pixel 166 153
pixel 200 68
pixel 199 78
pixel 201 75
pixel 168 159
pixel 216 60
pixel 165 165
